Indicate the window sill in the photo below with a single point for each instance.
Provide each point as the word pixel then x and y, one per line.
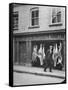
pixel 55 24
pixel 33 27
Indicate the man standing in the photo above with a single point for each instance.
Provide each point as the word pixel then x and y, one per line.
pixel 48 63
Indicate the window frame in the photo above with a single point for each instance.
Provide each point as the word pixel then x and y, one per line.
pixel 56 16
pixel 35 17
pixel 15 20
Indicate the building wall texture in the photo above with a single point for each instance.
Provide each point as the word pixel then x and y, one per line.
pixel 45 18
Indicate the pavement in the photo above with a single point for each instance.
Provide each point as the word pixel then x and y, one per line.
pixel 39 71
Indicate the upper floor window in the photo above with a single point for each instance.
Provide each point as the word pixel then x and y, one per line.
pixel 15 20
pixel 56 15
pixel 34 17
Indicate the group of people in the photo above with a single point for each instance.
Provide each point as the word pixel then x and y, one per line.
pixel 52 58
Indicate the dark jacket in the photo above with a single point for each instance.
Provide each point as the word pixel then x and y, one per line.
pixel 48 59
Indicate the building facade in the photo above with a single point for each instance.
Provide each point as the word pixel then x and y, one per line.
pixel 35 25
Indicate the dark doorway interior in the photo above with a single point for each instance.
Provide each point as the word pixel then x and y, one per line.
pixel 22 52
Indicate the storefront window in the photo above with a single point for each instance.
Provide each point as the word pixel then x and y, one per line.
pixel 40 50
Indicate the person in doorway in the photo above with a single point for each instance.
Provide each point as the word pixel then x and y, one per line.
pixel 48 63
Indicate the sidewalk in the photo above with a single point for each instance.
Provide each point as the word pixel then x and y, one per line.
pixel 39 71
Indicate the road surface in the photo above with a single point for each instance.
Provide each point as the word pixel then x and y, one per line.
pixel 30 79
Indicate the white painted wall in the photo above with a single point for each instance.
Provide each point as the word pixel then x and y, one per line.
pixel 45 15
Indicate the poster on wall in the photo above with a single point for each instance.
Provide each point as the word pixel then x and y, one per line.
pixel 37 44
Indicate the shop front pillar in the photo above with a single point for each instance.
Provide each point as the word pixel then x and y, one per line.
pixel 13 50
pixel 28 46
pixel 64 54
pixel 17 52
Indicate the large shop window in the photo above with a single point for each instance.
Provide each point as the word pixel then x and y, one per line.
pixel 39 53
pixel 34 17
pixel 15 20
pixel 56 15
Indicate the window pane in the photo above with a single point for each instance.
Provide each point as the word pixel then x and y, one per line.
pixel 59 17
pixel 56 15
pixel 53 12
pixel 32 22
pixel 37 13
pixel 34 17
pixel 54 20
pixel 36 21
pixel 33 14
pixel 15 20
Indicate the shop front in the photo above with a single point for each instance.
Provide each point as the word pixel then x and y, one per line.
pixel 26 44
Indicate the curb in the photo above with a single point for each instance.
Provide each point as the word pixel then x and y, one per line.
pixel 40 74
